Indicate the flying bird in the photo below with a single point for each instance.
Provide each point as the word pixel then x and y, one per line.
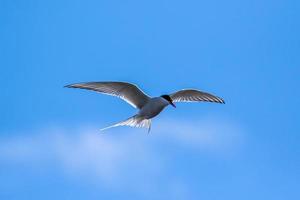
pixel 148 107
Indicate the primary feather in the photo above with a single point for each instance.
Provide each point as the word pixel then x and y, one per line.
pixel 126 91
pixel 191 95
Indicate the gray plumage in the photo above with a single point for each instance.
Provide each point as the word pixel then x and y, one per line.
pixel 148 107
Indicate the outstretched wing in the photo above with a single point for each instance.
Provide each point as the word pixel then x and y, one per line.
pixel 126 91
pixel 191 95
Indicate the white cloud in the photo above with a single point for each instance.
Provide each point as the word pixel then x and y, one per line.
pixel 120 154
pixel 220 137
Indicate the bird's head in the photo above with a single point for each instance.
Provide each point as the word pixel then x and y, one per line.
pixel 168 98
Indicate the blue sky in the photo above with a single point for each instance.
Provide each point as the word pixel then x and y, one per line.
pixel 244 51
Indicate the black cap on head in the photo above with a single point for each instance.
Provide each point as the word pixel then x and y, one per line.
pixel 168 98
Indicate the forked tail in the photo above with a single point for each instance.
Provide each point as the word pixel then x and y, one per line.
pixel 134 121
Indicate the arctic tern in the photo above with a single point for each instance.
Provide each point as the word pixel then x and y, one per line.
pixel 148 107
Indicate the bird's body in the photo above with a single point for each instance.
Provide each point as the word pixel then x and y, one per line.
pixel 153 107
pixel 148 107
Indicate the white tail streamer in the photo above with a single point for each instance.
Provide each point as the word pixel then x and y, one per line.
pixel 135 121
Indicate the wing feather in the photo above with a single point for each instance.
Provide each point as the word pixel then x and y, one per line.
pixel 192 95
pixel 126 91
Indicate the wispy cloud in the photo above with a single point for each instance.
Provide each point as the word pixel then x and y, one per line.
pixel 110 158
